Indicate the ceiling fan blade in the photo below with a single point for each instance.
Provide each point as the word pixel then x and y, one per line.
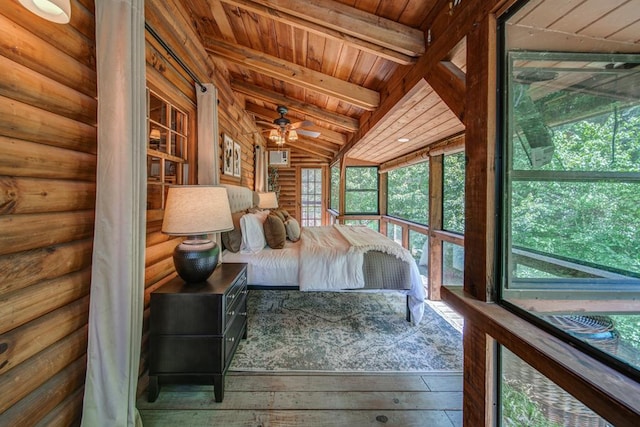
pixel 261 122
pixel 308 133
pixel 300 124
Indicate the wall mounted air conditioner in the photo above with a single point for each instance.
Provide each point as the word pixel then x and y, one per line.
pixel 279 158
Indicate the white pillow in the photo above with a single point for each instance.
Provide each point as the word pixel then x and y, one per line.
pixel 253 240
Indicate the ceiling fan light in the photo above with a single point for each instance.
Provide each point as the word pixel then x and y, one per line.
pixel 293 135
pixel 279 140
pixel 273 135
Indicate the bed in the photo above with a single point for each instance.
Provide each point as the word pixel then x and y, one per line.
pixel 332 258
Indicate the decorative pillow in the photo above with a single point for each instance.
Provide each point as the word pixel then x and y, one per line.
pixel 262 214
pixel 233 239
pixel 274 232
pixel 284 213
pixel 253 240
pixel 279 214
pixel 293 229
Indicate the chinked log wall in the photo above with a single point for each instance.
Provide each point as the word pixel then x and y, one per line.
pixel 47 198
pixel 171 81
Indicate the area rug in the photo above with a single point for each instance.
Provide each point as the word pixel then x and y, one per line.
pixel 343 332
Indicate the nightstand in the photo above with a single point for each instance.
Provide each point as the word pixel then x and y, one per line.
pixel 195 329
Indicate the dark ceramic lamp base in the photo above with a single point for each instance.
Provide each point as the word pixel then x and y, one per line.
pixel 196 259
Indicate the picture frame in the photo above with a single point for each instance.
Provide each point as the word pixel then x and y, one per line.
pixel 237 159
pixel 227 157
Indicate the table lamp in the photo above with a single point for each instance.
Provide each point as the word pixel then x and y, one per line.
pixel 196 211
pixel 267 200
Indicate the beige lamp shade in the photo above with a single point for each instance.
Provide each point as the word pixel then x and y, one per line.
pixel 192 210
pixel 267 200
pixel 58 11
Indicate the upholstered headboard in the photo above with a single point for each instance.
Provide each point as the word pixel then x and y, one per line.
pixel 240 198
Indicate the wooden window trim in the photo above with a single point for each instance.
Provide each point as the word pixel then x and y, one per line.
pixel 606 391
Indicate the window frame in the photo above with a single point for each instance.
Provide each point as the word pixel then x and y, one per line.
pixel 375 190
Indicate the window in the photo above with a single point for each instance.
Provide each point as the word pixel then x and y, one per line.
pixel 571 192
pixel 453 193
pixel 311 197
pixel 361 193
pixel 166 149
pixel 408 193
pixel 335 188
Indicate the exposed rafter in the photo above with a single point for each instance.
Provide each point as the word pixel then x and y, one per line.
pixel 294 74
pixel 354 22
pixel 449 82
pixel 345 122
pixel 273 12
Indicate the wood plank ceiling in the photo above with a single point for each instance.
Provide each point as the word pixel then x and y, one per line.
pixel 334 63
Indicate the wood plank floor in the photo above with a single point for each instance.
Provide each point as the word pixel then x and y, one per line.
pixel 312 400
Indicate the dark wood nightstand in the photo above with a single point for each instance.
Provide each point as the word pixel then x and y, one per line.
pixel 195 329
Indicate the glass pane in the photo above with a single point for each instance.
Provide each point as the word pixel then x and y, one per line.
pixel 453 193
pixel 361 202
pixel 170 172
pixel 178 121
pixel 335 188
pixel 408 193
pixel 452 264
pixel 362 178
pixel 157 109
pixel 419 248
pixel 394 232
pixel 311 197
pixel 154 172
pixel 530 399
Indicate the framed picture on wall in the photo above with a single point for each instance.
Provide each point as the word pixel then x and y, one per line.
pixel 237 159
pixel 227 158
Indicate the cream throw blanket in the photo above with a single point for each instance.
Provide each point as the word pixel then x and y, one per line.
pixel 363 239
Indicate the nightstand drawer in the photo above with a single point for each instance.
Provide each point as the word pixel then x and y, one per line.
pixel 184 353
pixel 235 331
pixel 237 290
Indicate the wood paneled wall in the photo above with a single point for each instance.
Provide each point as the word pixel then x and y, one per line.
pixel 47 197
pixel 165 76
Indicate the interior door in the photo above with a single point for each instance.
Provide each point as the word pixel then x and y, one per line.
pixel 311 197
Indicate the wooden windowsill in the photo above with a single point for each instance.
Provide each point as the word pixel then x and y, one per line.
pixel 606 391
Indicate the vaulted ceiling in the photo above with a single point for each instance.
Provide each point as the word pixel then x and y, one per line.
pixel 365 73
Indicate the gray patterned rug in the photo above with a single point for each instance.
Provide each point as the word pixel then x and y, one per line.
pixel 343 332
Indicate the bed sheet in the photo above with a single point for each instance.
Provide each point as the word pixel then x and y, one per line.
pixel 270 267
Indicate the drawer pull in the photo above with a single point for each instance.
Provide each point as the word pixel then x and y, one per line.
pixel 244 313
pixel 232 296
pixel 231 313
pixel 245 292
pixel 232 339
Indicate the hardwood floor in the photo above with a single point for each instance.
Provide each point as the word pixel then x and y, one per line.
pixel 310 400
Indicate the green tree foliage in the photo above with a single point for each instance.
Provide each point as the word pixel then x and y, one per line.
pixel 408 193
pixel 453 193
pixel 592 220
pixel 361 190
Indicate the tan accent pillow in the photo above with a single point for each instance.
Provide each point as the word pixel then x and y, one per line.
pixel 293 229
pixel 274 232
pixel 232 239
pixel 284 213
pixel 279 214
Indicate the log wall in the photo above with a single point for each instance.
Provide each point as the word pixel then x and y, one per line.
pixel 47 196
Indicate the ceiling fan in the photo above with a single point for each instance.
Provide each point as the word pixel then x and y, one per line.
pixel 283 130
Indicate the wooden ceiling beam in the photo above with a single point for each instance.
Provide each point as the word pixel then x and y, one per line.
pixel 446 27
pixel 344 122
pixel 274 12
pixel 307 146
pixel 295 74
pixel 354 22
pixel 449 82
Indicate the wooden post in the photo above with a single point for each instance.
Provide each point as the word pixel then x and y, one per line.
pixel 435 223
pixel 382 200
pixel 479 274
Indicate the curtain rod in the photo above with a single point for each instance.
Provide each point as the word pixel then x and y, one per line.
pixel 174 56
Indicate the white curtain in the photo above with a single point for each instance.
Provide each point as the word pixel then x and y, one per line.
pixel 208 140
pixel 117 284
pixel 262 172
